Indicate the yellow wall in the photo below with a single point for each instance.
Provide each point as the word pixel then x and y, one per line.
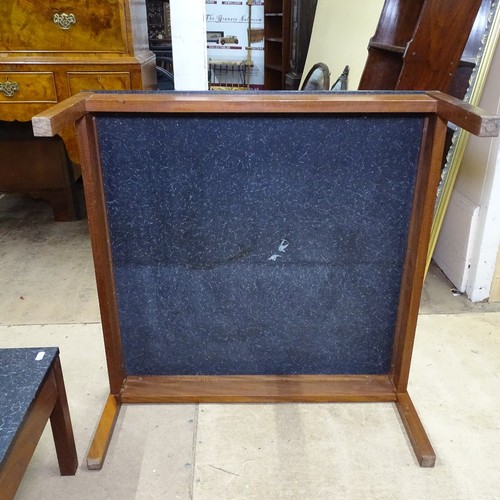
pixel 495 286
pixel 341 32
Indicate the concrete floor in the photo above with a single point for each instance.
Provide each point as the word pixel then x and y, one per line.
pixel 286 451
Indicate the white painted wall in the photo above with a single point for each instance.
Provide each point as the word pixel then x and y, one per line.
pixel 479 182
pixel 340 36
pixel 454 248
pixel 189 44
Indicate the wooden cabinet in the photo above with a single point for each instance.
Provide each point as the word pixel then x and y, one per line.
pixel 39 168
pixel 52 50
pixel 63 26
pixel 81 81
pixel 27 87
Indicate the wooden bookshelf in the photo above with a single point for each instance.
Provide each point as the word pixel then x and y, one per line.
pixel 277 42
pixel 418 44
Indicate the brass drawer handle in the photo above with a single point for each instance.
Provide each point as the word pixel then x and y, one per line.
pixel 8 89
pixel 64 20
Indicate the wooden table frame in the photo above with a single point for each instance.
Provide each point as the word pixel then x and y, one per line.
pixel 437 108
pixel 50 403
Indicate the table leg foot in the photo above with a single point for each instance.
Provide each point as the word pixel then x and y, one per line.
pixel 103 433
pixel 416 432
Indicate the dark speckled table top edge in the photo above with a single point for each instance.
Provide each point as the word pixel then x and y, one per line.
pixel 22 373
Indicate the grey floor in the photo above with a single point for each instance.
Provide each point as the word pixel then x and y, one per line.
pixel 289 451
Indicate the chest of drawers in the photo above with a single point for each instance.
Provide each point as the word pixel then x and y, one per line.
pixel 63 26
pixel 52 50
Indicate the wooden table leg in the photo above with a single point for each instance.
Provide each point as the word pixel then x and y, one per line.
pixel 62 430
pixel 416 432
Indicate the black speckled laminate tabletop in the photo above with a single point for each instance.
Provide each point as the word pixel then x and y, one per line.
pixel 258 244
pixel 22 372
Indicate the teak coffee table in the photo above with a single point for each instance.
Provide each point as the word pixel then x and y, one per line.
pixel 32 392
pixel 260 247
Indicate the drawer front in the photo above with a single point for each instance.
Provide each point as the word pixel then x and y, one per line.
pixel 78 82
pixel 27 87
pixel 62 26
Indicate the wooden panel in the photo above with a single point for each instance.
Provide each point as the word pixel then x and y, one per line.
pixel 28 25
pixel 384 69
pixel 257 389
pixel 397 21
pixel 83 81
pixel 428 37
pixel 24 168
pixel 32 87
pixel 386 48
pixel 434 52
